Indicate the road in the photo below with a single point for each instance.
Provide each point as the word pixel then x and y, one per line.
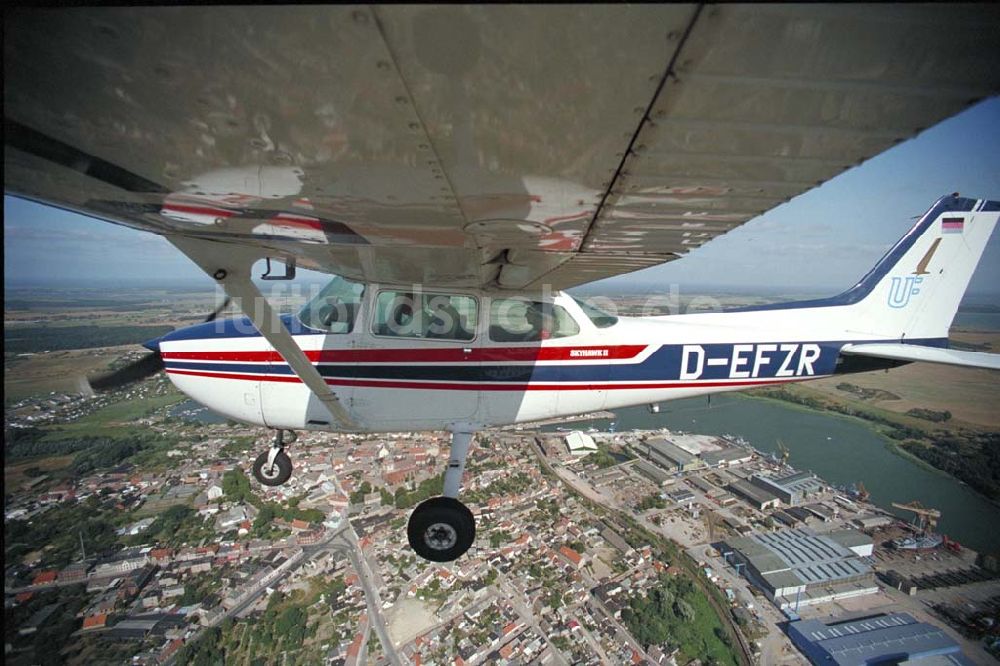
pixel 376 619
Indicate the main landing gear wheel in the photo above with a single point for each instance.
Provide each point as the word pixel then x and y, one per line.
pixel 274 473
pixel 441 529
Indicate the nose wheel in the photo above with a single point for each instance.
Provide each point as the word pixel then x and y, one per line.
pixel 442 529
pixel 274 467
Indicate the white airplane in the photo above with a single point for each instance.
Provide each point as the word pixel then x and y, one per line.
pixel 457 167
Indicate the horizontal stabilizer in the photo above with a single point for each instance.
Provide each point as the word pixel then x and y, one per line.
pixel 901 352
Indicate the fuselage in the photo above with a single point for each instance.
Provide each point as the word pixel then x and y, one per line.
pixel 390 382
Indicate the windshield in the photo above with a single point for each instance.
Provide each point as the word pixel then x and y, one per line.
pixel 335 308
pixel 600 318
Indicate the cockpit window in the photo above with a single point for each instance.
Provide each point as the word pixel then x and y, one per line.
pixel 335 308
pixel 404 314
pixel 521 320
pixel 600 318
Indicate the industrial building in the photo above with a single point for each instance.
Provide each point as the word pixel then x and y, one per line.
pixel 652 472
pixel 871 522
pixel 797 567
pixel 890 639
pixel 580 443
pixel 790 489
pixel 727 456
pixel 669 456
pixel 757 497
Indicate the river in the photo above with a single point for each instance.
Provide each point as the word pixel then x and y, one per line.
pixel 191 411
pixel 840 450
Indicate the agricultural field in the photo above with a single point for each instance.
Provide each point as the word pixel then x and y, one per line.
pixel 969 394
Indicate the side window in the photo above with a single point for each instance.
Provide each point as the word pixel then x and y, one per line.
pixel 521 320
pixel 335 308
pixel 402 314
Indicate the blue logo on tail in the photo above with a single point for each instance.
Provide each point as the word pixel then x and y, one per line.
pixel 902 289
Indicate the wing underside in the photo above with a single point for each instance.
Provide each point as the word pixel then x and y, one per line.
pixel 486 146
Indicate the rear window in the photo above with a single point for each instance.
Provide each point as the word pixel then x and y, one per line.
pixel 600 318
pixel 521 320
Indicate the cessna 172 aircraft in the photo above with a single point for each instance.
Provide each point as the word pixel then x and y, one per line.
pixel 456 168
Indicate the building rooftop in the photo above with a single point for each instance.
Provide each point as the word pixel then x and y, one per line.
pixel 579 442
pixel 811 558
pixel 670 451
pixel 896 637
pixel 727 454
pixel 850 538
pixel 751 491
pixel 695 444
pixel 803 482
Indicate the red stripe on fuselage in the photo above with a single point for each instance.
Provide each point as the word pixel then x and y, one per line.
pixel 472 386
pixel 452 355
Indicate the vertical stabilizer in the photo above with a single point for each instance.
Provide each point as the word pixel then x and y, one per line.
pixel 914 291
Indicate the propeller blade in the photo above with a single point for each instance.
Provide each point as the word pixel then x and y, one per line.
pixel 218 310
pixel 147 366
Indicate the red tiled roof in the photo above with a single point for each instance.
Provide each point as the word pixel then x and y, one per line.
pixel 571 555
pixel 172 646
pixel 95 621
pixel 355 647
pixel 23 596
pixel 45 577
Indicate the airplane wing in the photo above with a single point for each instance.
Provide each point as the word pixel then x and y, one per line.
pixel 904 352
pixel 470 146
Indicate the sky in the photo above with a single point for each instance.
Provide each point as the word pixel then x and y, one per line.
pixel 821 241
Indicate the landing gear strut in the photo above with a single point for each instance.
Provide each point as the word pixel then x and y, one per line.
pixel 442 529
pixel 274 467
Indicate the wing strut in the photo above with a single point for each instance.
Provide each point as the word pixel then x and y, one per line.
pixel 231 265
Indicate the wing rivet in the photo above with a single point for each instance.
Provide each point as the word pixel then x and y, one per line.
pixel 383 65
pixel 401 100
pixel 220 274
pixel 361 18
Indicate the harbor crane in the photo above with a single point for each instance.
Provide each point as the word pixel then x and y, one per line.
pixel 924 518
pixel 783 452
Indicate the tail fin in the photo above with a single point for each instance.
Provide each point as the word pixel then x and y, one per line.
pixel 914 291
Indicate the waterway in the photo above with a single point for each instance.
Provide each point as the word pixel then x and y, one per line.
pixel 191 411
pixel 840 450
pixel 977 321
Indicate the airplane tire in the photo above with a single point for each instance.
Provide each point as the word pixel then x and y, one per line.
pixel 441 529
pixel 278 474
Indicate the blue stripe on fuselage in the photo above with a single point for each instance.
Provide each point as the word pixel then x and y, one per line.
pixel 668 363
